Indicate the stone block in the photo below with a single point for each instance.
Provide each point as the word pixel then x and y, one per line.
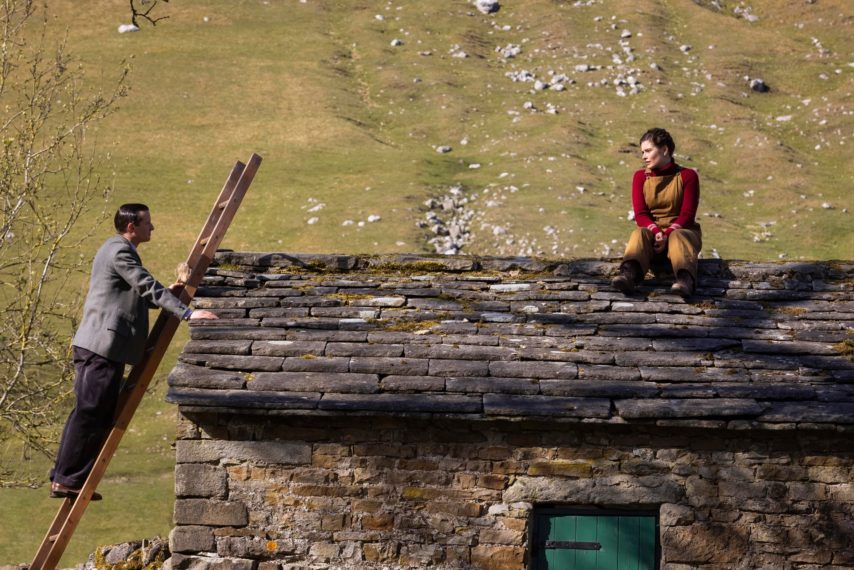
pixel 188 375
pixel 380 552
pixel 647 490
pixel 182 562
pixel 611 373
pixel 315 382
pixel 532 369
pixel 210 512
pixel 501 536
pixel 396 383
pixel 229 362
pixel 458 368
pixel 489 557
pixel 473 385
pixel 687 408
pixel 191 538
pixel 316 364
pixel 461 352
pixel 386 366
pixel 560 468
pixel 683 359
pixel 510 405
pixel 704 543
pixel 200 480
pixel 672 514
pixel 254 547
pixel 239 347
pixel 365 349
pixel 401 403
pixel 324 551
pixel 599 388
pixel 288 347
pixel 263 452
pixel 220 331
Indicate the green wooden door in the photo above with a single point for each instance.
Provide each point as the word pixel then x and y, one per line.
pixel 596 542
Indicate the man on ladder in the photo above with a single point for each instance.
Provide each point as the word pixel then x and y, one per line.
pixel 112 333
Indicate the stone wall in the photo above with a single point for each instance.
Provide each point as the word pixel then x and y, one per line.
pixel 271 491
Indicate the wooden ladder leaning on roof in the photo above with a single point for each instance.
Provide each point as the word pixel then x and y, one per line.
pixel 71 511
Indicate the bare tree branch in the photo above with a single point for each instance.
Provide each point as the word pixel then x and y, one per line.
pixel 138 13
pixel 48 182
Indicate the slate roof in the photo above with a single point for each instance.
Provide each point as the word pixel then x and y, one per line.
pixel 761 345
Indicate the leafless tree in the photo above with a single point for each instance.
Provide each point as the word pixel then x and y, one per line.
pixel 49 184
pixel 140 10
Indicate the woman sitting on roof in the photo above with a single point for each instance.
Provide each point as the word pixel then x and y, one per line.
pixel 665 198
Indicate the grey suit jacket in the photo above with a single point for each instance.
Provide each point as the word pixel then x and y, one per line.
pixel 115 315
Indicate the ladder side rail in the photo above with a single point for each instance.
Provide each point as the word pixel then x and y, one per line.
pixel 142 375
pixel 216 211
pixel 71 512
pixel 58 520
pixel 214 239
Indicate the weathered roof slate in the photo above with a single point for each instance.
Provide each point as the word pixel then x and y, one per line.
pixel 761 345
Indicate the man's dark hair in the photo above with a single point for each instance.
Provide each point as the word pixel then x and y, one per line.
pixel 128 214
pixel 660 138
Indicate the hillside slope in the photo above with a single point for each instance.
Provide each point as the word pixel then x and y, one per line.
pixel 349 124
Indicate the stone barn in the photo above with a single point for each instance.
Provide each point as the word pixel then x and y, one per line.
pixel 513 413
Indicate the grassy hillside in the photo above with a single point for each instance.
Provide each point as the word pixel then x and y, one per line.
pixel 346 120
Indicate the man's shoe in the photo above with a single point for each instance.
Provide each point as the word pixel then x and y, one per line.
pixel 684 285
pixel 58 491
pixel 630 277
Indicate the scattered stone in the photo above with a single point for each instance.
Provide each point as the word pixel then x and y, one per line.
pixel 443 149
pixel 523 75
pixel 374 218
pixel 458 52
pixel 509 51
pixel 685 48
pixel 126 28
pixel 827 205
pixel 312 221
pixel 396 42
pixel 759 86
pixel 487 6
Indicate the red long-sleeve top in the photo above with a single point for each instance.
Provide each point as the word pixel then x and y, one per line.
pixel 690 198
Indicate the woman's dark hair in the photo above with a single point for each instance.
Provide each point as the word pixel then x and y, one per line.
pixel 660 138
pixel 128 214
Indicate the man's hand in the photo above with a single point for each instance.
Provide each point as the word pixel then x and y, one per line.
pixel 176 288
pixel 202 314
pixel 660 243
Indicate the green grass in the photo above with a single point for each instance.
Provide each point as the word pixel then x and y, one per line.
pixel 342 117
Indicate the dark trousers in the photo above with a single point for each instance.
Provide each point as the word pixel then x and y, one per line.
pixel 97 385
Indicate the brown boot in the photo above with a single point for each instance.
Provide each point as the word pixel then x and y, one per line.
pixel 684 286
pixel 630 277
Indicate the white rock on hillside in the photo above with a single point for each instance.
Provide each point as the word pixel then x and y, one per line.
pixel 487 6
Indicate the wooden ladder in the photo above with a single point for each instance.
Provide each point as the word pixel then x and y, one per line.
pixel 71 511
